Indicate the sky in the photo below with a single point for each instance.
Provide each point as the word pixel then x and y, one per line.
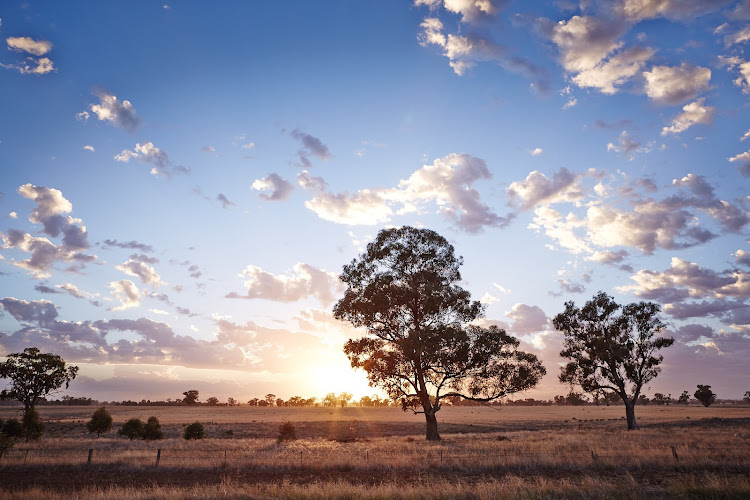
pixel 182 182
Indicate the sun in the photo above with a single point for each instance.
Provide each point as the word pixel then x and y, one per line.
pixel 336 375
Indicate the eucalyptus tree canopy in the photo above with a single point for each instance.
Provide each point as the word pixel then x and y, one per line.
pixel 34 375
pixel 422 344
pixel 612 347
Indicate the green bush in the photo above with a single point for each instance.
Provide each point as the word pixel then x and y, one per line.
pixel 101 421
pixel 132 429
pixel 287 432
pixel 152 430
pixel 194 431
pixel 12 428
pixel 33 427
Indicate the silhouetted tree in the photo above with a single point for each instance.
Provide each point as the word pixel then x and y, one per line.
pixel 330 400
pixel 33 427
pixel 132 429
pixel 253 402
pixel 212 401
pixel 287 432
pixel 610 351
pixel 661 399
pixel 232 402
pixel 344 398
pixel 12 428
pixel 101 421
pixel 705 395
pixel 270 399
pixel 421 344
pixel 194 431
pixel 746 397
pixel 684 398
pixel 33 376
pixel 152 430
pixel 191 397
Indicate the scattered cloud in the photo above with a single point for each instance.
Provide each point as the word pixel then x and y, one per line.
pixel 740 36
pixel 120 114
pixel 744 162
pixel 150 154
pixel 676 84
pixel 225 202
pixel 29 45
pixel 272 188
pixel 608 76
pixel 447 182
pixel 131 245
pixel 142 271
pixel 536 152
pixel 527 319
pixel 301 282
pixel 627 147
pixel 89 148
pixel 692 114
pixel 538 189
pixel 127 293
pixel 311 146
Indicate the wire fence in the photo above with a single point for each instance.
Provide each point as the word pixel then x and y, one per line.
pixel 288 458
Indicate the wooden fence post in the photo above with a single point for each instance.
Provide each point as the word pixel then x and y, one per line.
pixel 91 452
pixel 158 456
pixel 674 454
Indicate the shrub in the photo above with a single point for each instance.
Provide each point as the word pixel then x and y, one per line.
pixel 194 431
pixel 152 430
pixel 6 443
pixel 287 432
pixel 101 421
pixel 33 427
pixel 133 428
pixel 12 428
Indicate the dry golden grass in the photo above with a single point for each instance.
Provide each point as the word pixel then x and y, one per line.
pixel 564 452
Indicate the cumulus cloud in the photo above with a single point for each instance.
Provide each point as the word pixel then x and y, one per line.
pixel 742 257
pixel 465 51
pixel 311 146
pixel 536 152
pixel 627 147
pixel 676 84
pixel 538 189
pixel 527 319
pixel 142 271
pixel 740 36
pixel 608 76
pixel 692 114
pixel 127 293
pixel 583 41
pixel 687 280
pixel 742 67
pixel 744 162
pixel 89 148
pixel 447 182
pixel 273 188
pixel 471 11
pixel 51 207
pixel 120 114
pixel 301 282
pixel 32 66
pixel 26 44
pixel 43 312
pixel 150 154
pixel 639 10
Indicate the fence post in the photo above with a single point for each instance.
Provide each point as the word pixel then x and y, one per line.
pixel 594 457
pixel 25 456
pixel 674 454
pixel 300 459
pixel 91 452
pixel 441 457
pixel 158 456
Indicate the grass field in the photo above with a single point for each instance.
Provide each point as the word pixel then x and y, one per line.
pixel 565 452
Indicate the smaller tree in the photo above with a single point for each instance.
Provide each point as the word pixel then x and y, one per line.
pixel 12 428
pixel 746 397
pixel 212 401
pixel 661 399
pixel 684 398
pixel 101 421
pixel 194 431
pixel 232 402
pixel 132 429
pixel 6 443
pixel 287 432
pixel 270 399
pixel 33 427
pixel 191 397
pixel 152 430
pixel 344 398
pixel 705 395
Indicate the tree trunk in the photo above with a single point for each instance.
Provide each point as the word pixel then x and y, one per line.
pixel 630 414
pixel 432 427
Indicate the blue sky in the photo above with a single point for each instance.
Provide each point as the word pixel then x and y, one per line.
pixel 182 182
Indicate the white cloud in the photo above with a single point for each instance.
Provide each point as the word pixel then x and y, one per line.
pixel 536 152
pixel 470 10
pixel 120 114
pixel 447 182
pixel 572 102
pixel 744 161
pixel 584 41
pixel 302 282
pixel 127 293
pixel 26 44
pixel 693 113
pixel 743 67
pixel 13 215
pixel 527 319
pixel 741 36
pixel 89 148
pixel 608 75
pixel 148 153
pixel 272 188
pixel 639 10
pixel 43 66
pixel 144 272
pixel 537 189
pixel 746 136
pixel 675 84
